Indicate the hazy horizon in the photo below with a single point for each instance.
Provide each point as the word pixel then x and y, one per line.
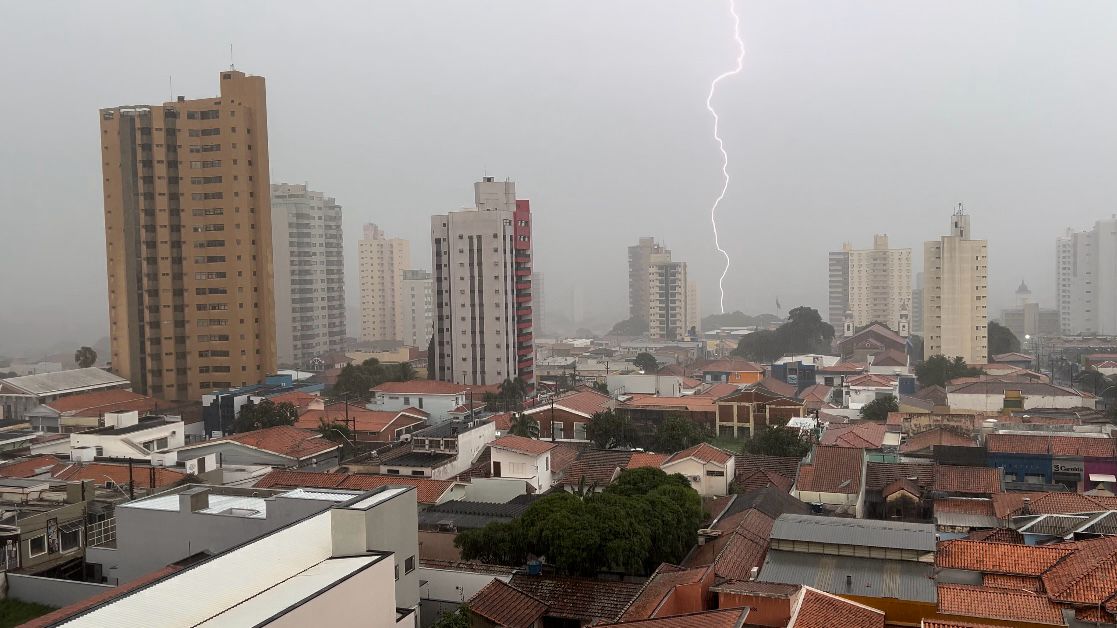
pixel 848 120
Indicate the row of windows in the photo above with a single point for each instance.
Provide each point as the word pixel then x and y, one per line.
pixel 205 180
pixel 207 114
pixel 208 211
pixel 203 132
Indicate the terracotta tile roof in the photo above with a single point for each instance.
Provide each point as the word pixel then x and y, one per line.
pixel 1004 581
pixel 704 452
pixel 661 584
pixel 1054 445
pixel 746 547
pixel 861 435
pixel 585 402
pixel 364 420
pixel 297 398
pixel 998 603
pixel 1086 576
pixel 998 388
pixel 689 403
pixel 724 618
pixel 99 472
pixel 421 387
pixel 965 506
pixel 756 587
pixel 1012 356
pixel 28 467
pixel 890 357
pixel 941 623
pixel 1011 504
pixel 584 599
pixel 881 474
pixel 845 367
pixel 719 390
pixel 932 437
pixel 781 388
pixel 503 421
pixel 750 481
pixel 968 480
pixel 101 401
pixel 818 609
pixel 872 380
pixel 732 365
pixel 999 558
pixel 819 393
pixel 427 491
pixel 785 466
pixel 996 535
pixel 523 445
pixel 903 484
pixel 641 459
pixel 284 440
pixel 831 470
pixel 596 467
pixel 505 605
pixel 564 455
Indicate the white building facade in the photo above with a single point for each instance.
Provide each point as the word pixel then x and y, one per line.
pixel 1086 279
pixel 956 294
pixel 309 274
pixel 872 285
pixel 381 262
pixel 418 308
pixel 483 301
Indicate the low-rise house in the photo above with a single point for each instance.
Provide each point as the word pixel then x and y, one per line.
pixel 671 591
pixel 1019 360
pixel 997 396
pixel 865 435
pixel 220 408
pixel 86 410
pixel 21 394
pixel 732 371
pixel 709 470
pixel 645 412
pixel 566 415
pixel 128 435
pixel 741 414
pixel 282 446
pixel 428 492
pixel 577 601
pixel 836 374
pixel 354 564
pixel 1054 459
pixel 923 444
pixel 441 451
pixel 594 469
pixel 864 389
pixel 870 341
pixel 43 531
pixel 831 477
pixel 522 458
pixel 435 398
pixel 445 583
pixel 364 425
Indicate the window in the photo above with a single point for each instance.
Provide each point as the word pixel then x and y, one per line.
pixel 38 545
pixel 715 474
pixel 71 538
pixel 409 564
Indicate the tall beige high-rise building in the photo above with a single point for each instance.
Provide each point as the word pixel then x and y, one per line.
pixel 418 308
pixel 693 314
pixel 188 236
pixel 309 274
pixel 381 262
pixel 873 285
pixel 639 260
pixel 483 302
pixel 667 298
pixel 956 294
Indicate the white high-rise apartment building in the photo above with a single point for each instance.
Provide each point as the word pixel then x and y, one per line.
pixel 956 294
pixel 418 308
pixel 309 274
pixel 483 328
pixel 871 285
pixel 1086 279
pixel 381 262
pixel 667 297
pixel 639 260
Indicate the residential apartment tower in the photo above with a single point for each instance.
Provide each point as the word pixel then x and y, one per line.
pixel 871 285
pixel 1086 279
pixel 956 294
pixel 381 262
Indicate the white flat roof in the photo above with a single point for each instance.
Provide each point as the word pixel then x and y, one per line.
pixel 65 381
pixel 375 499
pixel 246 506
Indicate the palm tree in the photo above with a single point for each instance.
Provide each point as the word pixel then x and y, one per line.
pixel 524 425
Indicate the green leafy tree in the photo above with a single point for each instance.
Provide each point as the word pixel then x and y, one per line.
pixel 804 332
pixel 646 362
pixel 356 381
pixel 608 429
pixel 878 409
pixel 85 357
pixel 676 433
pixel 524 425
pixel 629 327
pixel 938 370
pixel 1001 339
pixel 257 416
pixel 601 387
pixel 458 619
pixel 778 441
pixel 339 433
pixel 737 319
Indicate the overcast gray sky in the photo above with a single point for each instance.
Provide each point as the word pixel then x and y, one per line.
pixel 849 118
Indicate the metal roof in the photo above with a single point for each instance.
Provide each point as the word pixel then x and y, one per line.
pixel 65 381
pixel 869 577
pixel 966 520
pixel 310 493
pixel 245 506
pixel 864 532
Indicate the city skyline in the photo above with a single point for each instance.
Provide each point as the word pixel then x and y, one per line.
pixel 1000 167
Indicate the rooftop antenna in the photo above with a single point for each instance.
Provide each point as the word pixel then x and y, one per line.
pixel 232 65
pixel 171 85
pixel 959 210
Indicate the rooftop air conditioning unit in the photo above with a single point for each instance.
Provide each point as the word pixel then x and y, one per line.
pixel 694 478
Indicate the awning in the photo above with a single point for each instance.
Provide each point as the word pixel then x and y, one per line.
pixel 1102 477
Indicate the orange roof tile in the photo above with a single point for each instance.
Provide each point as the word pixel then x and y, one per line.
pixel 818 609
pixel 831 470
pixel 297 398
pixel 941 623
pixel 585 402
pixel 118 473
pixel 704 452
pixel 861 435
pixel 999 558
pixel 428 491
pixel 746 547
pixel 725 618
pixel 284 440
pixel 998 603
pixel 364 420
pixel 965 506
pixel 505 605
pixel 661 584
pixel 932 437
pixel 968 480
pixel 1010 504
pixel 98 402
pixel 28 467
pixel 1039 444
pixel 759 478
pixel 732 365
pixel 596 467
pixel 1086 576
pixel 523 445
pixel 689 404
pixel 1011 582
pixel 642 459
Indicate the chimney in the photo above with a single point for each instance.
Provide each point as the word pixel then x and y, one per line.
pixel 193 499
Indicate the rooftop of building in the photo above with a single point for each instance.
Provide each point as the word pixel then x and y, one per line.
pixel 46 384
pixel 428 491
pixel 831 470
pixel 857 532
pixel 149 422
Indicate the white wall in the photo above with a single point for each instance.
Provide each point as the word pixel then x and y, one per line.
pixel 995 403
pixel 706 485
pixel 437 406
pixel 534 469
pixel 117 445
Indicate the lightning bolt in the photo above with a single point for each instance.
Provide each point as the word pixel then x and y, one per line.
pixel 721 144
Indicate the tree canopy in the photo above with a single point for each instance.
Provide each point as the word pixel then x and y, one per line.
pixel 1001 339
pixel 804 332
pixel 85 357
pixel 509 397
pixel 643 519
pixel 676 433
pixel 878 409
pixel 524 425
pixel 737 318
pixel 356 381
pixel 646 362
pixel 938 370
pixel 608 429
pixel 267 413
pixel 778 441
pixel 629 327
